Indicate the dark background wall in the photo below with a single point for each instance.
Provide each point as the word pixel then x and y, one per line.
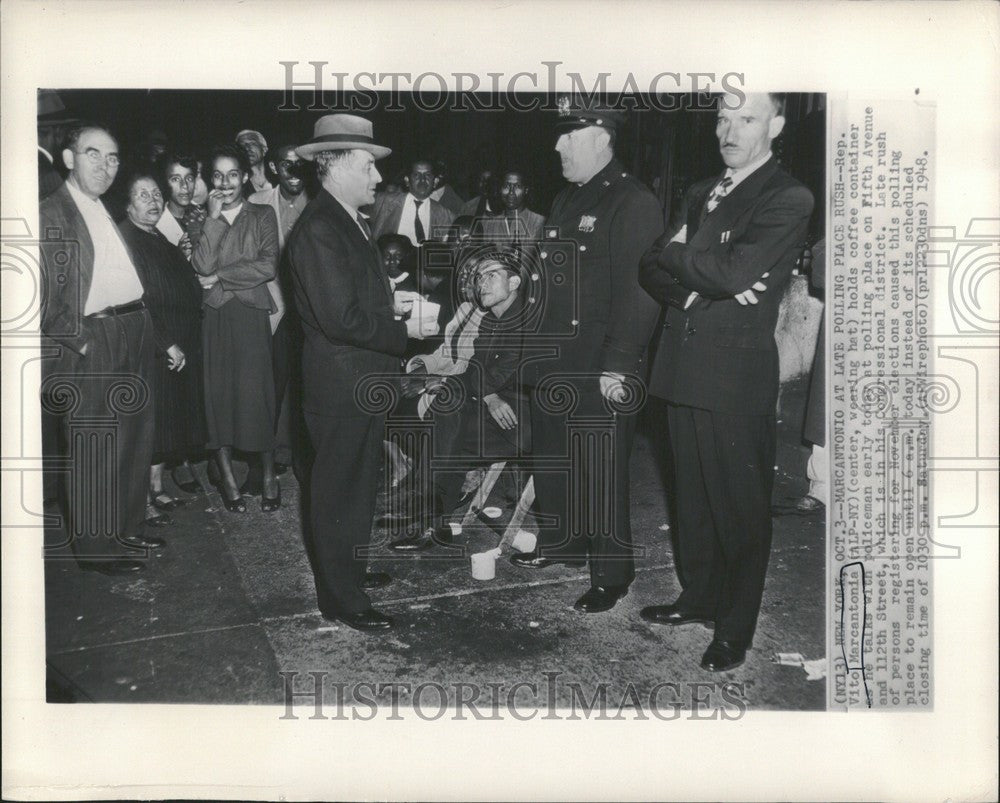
pixel 668 150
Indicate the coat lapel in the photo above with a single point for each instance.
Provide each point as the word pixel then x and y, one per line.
pixel 364 245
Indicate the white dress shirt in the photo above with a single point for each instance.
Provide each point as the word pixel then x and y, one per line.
pixel 115 280
pixel 407 215
pixel 738 175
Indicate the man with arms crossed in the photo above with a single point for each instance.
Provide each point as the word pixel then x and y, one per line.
pixel 717 366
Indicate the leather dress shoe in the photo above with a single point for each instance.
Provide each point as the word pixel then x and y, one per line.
pixel 159 519
pixel 417 539
pixel 112 568
pixel 673 615
pixel 143 541
pixel 375 580
pixel 370 621
pixel 600 598
pixel 721 656
pixel 532 560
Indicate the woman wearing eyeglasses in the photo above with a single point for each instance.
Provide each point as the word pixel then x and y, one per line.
pixel 173 297
pixel 237 256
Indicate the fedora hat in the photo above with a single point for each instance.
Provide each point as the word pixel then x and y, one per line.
pixel 341 132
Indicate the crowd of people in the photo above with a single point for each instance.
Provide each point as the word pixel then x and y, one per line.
pixel 252 299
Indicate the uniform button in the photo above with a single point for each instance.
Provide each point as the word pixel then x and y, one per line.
pixel 691 331
pixel 666 325
pixel 583 248
pixel 544 254
pixel 574 323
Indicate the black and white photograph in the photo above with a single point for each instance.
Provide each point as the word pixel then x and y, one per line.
pixel 575 403
pixel 464 437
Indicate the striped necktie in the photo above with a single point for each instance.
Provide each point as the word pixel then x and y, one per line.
pixel 719 191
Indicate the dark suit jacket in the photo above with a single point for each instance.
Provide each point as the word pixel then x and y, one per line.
pixel 720 355
pixel 388 208
pixel 67 269
pixel 49 179
pixel 599 318
pixel 344 302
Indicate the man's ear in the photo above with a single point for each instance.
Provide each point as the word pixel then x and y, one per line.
pixel 272 167
pixel 67 156
pixel 514 282
pixel 776 126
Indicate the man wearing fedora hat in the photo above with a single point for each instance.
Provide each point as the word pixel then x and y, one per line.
pixel 603 324
pixel 350 328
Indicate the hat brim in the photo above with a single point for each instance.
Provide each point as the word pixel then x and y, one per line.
pixel 310 149
pixel 563 126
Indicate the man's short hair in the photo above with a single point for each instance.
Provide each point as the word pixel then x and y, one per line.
pixel 519 171
pixel 234 152
pixel 326 159
pixel 507 258
pixel 78 130
pixel 420 160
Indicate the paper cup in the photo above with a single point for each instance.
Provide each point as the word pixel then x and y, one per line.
pixel 524 541
pixel 484 565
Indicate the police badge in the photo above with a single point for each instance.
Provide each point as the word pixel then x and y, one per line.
pixel 587 223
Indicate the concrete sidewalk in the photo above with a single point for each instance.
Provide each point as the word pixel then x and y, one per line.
pixel 230 604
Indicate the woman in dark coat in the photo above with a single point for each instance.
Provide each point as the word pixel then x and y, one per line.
pixel 236 256
pixel 173 296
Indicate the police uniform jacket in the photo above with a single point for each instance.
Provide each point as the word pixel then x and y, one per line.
pixel 594 310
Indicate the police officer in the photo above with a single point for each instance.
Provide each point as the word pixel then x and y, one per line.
pixel 585 371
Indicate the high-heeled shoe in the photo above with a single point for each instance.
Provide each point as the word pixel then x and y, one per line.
pixel 269 504
pixel 236 505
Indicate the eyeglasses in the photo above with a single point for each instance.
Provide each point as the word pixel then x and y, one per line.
pixel 146 196
pixel 96 157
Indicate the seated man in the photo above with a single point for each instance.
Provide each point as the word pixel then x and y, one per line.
pixel 477 364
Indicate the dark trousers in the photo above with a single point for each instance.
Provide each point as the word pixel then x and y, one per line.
pixel 104 404
pixel 724 473
pixel 343 487
pixel 463 439
pixel 580 460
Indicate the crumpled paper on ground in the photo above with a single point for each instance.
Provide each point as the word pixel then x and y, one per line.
pixel 815 670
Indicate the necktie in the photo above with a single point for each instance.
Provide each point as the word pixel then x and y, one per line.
pixel 718 193
pixel 418 226
pixel 364 227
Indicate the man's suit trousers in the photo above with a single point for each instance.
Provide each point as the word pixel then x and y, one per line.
pixel 104 405
pixel 342 491
pixel 724 474
pixel 581 471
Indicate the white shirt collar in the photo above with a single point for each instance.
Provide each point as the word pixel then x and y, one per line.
pixel 82 198
pixel 47 155
pixel 740 173
pixel 351 210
